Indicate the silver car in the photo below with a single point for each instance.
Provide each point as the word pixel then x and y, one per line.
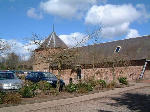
pixel 9 81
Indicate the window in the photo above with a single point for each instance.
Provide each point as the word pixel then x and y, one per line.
pixel 4 76
pixel 117 49
pixel 48 75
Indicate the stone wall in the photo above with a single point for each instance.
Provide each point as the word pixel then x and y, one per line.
pixel 131 72
pixel 42 59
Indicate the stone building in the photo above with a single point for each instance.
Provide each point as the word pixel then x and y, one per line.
pixel 92 58
pixel 43 54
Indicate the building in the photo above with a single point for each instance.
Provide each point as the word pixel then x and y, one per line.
pixel 92 58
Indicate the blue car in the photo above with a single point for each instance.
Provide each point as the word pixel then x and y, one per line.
pixel 45 76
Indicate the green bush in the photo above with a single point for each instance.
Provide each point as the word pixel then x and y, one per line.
pixel 43 85
pixel 123 80
pixel 12 98
pixel 102 83
pixel 46 88
pixel 91 81
pixel 81 87
pixel 27 91
pixel 71 87
pixel 2 94
pixel 84 87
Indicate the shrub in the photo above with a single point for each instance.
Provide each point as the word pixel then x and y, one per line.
pixel 111 85
pixel 2 94
pixel 84 87
pixel 91 81
pixel 71 87
pixel 81 87
pixel 102 83
pixel 12 98
pixel 123 80
pixel 54 91
pixel 43 85
pixel 27 91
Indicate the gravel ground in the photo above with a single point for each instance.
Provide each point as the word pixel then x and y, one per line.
pixel 137 100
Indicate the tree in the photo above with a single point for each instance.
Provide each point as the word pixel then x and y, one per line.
pixel 12 61
pixel 4 47
pixel 116 60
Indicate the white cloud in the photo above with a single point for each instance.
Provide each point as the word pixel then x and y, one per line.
pixel 114 19
pixel 111 14
pixel 145 15
pixel 67 8
pixel 21 49
pixel 74 39
pixel 33 14
pixel 132 33
pixel 115 31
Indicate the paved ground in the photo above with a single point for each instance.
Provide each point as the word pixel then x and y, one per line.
pixel 128 99
pixel 137 100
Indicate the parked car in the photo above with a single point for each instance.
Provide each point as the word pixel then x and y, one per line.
pixel 45 76
pixel 9 81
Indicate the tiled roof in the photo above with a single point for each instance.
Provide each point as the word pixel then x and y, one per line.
pixel 53 41
pixel 134 48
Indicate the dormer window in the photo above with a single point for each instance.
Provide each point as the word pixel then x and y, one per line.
pixel 117 49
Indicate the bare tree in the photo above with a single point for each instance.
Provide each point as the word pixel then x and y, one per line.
pixel 116 60
pixel 4 47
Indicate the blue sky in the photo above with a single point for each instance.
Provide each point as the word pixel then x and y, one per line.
pixel 119 19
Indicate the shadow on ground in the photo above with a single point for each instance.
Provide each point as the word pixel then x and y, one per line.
pixel 134 102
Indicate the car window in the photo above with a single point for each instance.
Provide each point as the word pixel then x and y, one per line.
pixel 34 74
pixel 4 76
pixel 49 75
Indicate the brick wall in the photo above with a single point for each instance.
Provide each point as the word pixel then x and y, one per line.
pixel 131 72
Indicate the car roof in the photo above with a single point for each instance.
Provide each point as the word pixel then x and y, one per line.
pixel 39 72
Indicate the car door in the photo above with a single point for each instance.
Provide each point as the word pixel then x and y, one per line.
pixel 35 77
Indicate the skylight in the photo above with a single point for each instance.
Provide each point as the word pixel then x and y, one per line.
pixel 117 49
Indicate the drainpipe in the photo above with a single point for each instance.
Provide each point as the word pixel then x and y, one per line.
pixel 143 70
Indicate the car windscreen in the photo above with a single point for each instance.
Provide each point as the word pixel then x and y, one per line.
pixel 4 76
pixel 49 75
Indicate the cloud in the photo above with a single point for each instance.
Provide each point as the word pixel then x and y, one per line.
pixel 67 8
pixel 111 14
pixel 115 19
pixel 33 14
pixel 132 33
pixel 145 15
pixel 115 31
pixel 74 39
pixel 21 49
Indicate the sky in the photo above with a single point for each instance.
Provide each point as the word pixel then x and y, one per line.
pixel 73 20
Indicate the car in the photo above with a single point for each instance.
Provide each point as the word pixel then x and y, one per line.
pixel 9 81
pixel 45 76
